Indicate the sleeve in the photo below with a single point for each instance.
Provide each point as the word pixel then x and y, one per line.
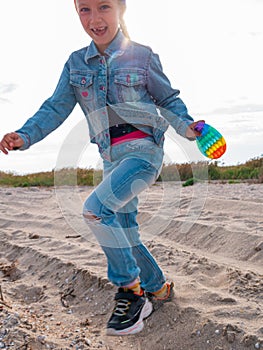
pixel 53 112
pixel 171 107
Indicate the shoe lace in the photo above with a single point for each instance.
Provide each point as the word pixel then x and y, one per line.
pixel 121 307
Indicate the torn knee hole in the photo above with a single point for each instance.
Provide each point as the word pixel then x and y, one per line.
pixel 90 216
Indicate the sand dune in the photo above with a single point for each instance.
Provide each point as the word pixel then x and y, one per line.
pixel 208 239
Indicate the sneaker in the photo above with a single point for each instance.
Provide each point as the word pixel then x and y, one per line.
pixel 129 312
pixel 157 301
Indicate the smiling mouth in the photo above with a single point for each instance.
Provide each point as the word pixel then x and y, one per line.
pixel 99 31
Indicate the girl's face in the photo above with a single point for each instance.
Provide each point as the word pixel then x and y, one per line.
pixel 100 19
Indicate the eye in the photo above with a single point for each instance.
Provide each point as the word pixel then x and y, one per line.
pixel 104 7
pixel 84 10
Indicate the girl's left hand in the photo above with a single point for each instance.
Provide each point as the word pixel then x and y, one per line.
pixel 191 133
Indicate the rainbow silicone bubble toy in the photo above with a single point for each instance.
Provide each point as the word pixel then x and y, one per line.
pixel 211 143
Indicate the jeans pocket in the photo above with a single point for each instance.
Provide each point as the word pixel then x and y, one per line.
pixel 142 146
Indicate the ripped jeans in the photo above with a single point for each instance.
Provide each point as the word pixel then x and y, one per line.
pixel 111 210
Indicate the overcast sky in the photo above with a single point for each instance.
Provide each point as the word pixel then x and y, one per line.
pixel 212 50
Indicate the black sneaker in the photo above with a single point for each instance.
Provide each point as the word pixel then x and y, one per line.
pixel 129 312
pixel 158 302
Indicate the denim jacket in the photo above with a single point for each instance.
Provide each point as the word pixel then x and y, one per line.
pixel 128 77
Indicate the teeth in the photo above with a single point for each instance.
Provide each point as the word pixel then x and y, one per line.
pixel 98 29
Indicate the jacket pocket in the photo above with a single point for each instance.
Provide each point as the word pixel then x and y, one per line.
pixel 130 84
pixel 82 81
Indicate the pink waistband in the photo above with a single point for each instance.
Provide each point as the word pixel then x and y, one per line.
pixel 134 135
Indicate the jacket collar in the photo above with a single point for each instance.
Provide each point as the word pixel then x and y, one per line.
pixel 116 47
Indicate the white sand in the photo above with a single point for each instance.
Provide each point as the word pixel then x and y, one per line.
pixel 207 238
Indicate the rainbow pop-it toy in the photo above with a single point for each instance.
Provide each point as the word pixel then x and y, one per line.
pixel 211 143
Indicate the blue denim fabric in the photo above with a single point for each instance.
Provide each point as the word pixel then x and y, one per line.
pixel 134 167
pixel 129 78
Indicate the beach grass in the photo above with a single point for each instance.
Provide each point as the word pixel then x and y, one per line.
pixel 251 170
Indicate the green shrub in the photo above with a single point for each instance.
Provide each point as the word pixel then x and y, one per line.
pixel 190 182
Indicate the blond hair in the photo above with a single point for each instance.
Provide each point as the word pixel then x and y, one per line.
pixel 122 21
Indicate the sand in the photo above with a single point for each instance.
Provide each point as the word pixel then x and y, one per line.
pixel 208 239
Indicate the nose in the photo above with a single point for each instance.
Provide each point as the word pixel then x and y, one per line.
pixel 95 17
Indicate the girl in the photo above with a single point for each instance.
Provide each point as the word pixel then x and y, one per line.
pixel 119 85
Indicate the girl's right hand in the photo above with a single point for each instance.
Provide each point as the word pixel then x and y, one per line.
pixel 10 142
